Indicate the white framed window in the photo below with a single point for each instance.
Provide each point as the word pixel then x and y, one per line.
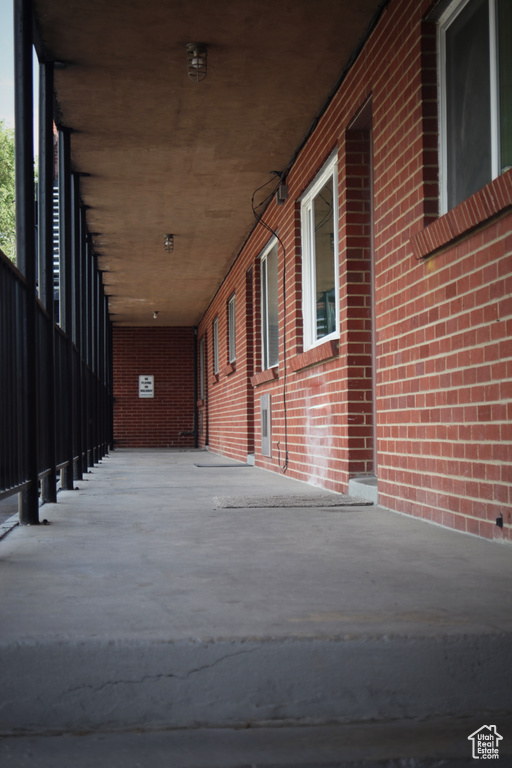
pixel 232 329
pixel 216 345
pixel 475 81
pixel 269 306
pixel 319 236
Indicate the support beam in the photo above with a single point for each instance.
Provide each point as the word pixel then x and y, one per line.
pixel 66 296
pixel 26 250
pixel 84 337
pixel 46 184
pixel 89 352
pixel 77 322
pixel 97 396
pixel 102 378
pixel 196 393
pixel 110 373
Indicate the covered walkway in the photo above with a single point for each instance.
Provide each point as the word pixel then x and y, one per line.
pixel 159 597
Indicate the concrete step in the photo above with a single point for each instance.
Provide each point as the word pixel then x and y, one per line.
pixel 399 744
pixel 112 684
pixel 364 487
pixel 144 605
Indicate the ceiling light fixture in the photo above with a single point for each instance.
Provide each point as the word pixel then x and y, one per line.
pixel 169 243
pixel 196 57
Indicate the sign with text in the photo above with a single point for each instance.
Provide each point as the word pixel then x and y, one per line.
pixel 146 386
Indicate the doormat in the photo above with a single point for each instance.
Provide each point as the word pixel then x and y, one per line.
pixel 222 466
pixel 291 500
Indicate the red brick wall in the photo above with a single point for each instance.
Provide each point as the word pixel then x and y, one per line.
pixel 227 415
pixel 446 393
pixel 356 307
pixel 168 355
pixel 443 310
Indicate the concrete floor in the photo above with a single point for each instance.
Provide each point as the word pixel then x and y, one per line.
pixel 144 607
pixel 8 508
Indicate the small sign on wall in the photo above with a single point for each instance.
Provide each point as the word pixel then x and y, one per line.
pixel 146 386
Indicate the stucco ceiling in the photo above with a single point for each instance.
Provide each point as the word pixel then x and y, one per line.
pixel 165 154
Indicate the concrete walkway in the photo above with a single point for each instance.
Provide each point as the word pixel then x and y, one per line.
pixel 143 605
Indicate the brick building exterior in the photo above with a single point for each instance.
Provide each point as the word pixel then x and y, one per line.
pixel 165 420
pixel 397 363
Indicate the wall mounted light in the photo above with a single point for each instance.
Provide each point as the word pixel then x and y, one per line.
pixel 155 315
pixel 169 243
pixel 196 57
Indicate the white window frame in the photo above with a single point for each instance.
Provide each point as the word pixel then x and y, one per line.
pixel 232 328
pixel 265 335
pixel 444 22
pixel 216 346
pixel 309 313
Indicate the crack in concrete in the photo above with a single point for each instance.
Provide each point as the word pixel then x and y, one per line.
pixel 159 676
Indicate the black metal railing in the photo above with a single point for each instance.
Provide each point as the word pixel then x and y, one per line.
pixel 13 468
pixel 74 443
pixel 55 335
